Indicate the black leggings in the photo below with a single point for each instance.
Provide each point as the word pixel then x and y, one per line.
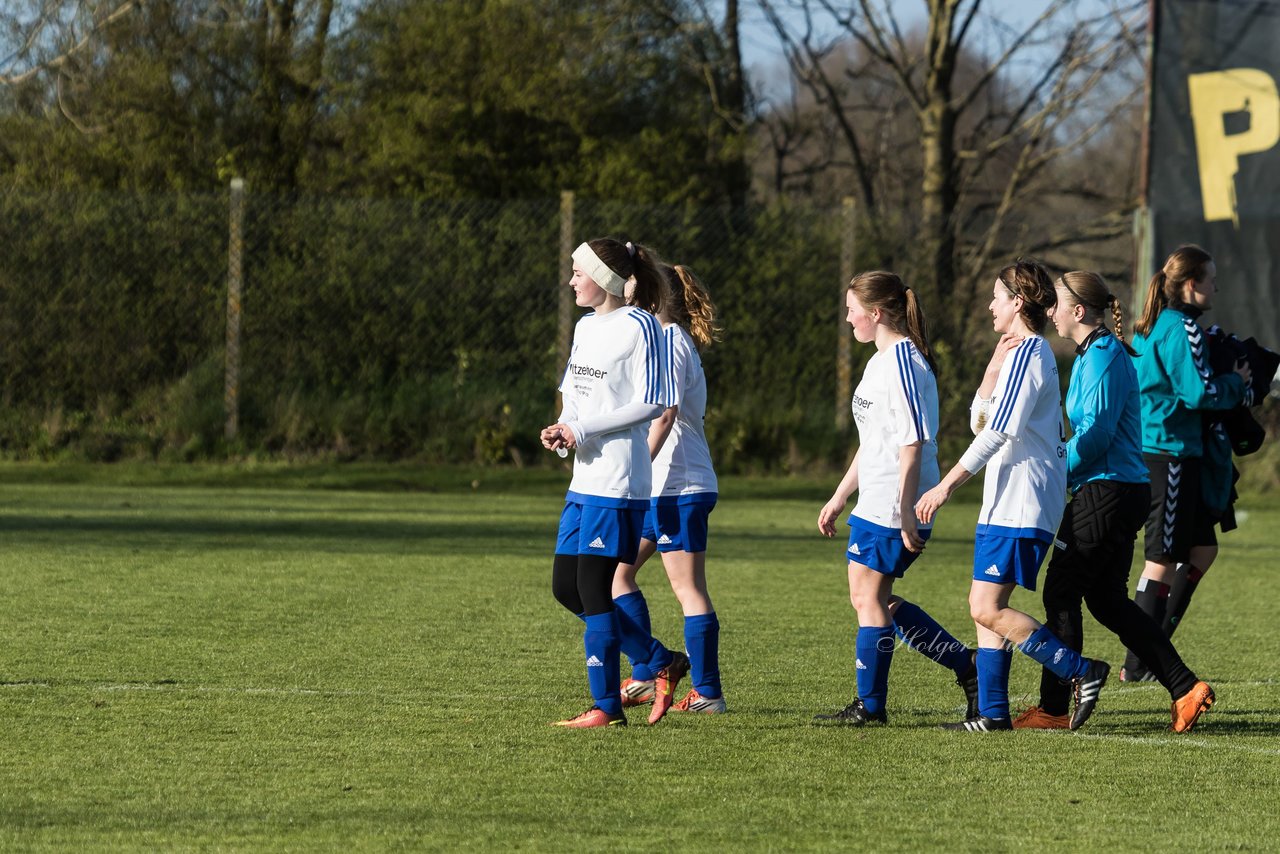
pixel 584 583
pixel 1099 529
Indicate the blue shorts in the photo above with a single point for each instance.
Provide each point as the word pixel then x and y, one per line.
pixel 1008 560
pixel 678 523
pixel 608 531
pixel 880 548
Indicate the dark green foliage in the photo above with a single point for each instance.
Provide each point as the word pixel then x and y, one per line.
pixel 382 328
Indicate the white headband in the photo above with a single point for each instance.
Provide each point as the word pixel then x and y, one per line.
pixel 599 271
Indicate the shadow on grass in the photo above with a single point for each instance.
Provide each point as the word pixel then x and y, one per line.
pixel 482 536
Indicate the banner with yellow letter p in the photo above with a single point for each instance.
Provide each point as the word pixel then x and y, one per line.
pixel 1214 152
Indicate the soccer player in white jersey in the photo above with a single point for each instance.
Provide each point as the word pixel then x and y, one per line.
pixel 1017 419
pixel 684 494
pixel 896 410
pixel 614 385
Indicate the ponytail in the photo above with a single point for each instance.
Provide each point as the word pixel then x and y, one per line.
pixel 918 328
pixel 1117 320
pixel 651 286
pixel 692 308
pixel 1155 303
pixel 1188 263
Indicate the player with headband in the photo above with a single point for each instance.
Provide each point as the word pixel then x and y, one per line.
pixel 614 385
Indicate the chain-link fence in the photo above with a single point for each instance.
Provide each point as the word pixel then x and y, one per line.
pixel 381 328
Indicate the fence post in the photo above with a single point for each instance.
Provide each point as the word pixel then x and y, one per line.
pixel 1143 257
pixel 235 279
pixel 565 332
pixel 844 367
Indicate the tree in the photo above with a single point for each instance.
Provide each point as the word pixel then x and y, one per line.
pixel 996 110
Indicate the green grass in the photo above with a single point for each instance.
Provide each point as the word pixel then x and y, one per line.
pixel 336 657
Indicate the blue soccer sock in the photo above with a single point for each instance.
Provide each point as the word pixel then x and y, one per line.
pixel 637 610
pixel 702 640
pixel 993 682
pixel 639 644
pixel 923 634
pixel 875 654
pixel 600 642
pixel 1054 655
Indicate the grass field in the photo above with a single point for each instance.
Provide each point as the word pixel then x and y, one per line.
pixel 365 657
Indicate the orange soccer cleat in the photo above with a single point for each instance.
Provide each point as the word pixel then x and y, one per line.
pixel 592 717
pixel 664 685
pixel 1037 718
pixel 1188 708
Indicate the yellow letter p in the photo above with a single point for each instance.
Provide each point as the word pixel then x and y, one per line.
pixel 1213 95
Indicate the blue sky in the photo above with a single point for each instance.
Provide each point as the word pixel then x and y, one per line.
pixel 764 60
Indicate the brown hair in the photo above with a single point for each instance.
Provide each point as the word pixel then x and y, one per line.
pixel 898 306
pixel 651 286
pixel 690 306
pixel 1090 290
pixel 1188 263
pixel 1027 278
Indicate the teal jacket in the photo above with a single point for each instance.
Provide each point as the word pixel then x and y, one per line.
pixel 1175 384
pixel 1103 408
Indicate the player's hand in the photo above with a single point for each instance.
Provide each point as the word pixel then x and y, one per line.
pixel 828 515
pixel 558 436
pixel 927 506
pixel 911 534
pixel 1006 345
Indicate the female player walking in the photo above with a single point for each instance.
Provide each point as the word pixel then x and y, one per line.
pixel 1017 419
pixel 1110 498
pixel 614 385
pixel 895 408
pixel 1176 385
pixel 684 494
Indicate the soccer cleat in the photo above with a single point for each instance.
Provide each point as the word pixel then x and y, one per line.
pixel 593 717
pixel 695 702
pixel 981 723
pixel 854 714
pixel 636 692
pixel 1037 718
pixel 1188 708
pixel 969 682
pixel 664 685
pixel 1087 689
pixel 1137 674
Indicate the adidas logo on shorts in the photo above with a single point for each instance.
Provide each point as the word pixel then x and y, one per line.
pixel 853 549
pixel 664 540
pixel 597 543
pixel 993 570
pixel 594 662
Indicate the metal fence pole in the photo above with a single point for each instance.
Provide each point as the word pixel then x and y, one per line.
pixel 844 366
pixel 235 280
pixel 565 332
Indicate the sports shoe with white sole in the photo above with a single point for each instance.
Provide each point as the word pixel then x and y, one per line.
pixel 981 723
pixel 695 702
pixel 636 692
pixel 1087 688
